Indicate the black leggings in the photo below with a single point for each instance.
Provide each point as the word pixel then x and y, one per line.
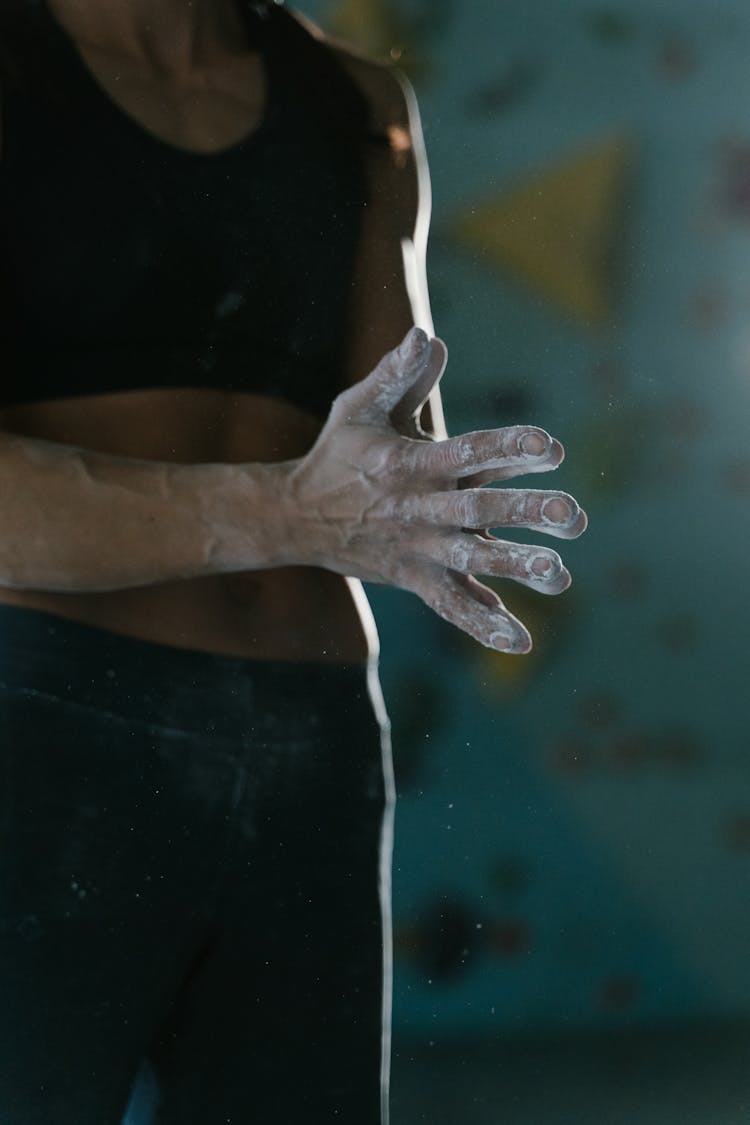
pixel 194 874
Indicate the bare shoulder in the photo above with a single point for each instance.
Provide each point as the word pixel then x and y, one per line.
pixel 397 168
pixel 386 90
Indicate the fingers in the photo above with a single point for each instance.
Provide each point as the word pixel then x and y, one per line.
pixel 410 370
pixel 491 476
pixel 555 513
pixel 495 454
pixel 539 568
pixel 476 610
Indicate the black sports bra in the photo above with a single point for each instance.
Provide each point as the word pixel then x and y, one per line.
pixel 128 263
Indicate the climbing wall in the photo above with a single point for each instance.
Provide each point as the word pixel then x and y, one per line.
pixel 573 843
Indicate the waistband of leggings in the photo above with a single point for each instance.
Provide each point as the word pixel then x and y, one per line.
pixel 46 653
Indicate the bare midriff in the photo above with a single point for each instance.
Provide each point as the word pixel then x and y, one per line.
pixel 294 613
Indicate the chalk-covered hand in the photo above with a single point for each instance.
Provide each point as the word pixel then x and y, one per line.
pixel 370 503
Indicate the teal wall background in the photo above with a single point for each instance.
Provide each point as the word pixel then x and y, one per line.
pixel 573 833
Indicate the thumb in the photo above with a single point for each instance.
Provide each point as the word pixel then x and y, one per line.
pixel 398 373
pixel 410 406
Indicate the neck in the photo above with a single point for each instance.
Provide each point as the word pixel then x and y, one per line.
pixel 171 36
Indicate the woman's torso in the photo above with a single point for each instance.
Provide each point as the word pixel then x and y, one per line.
pixel 294 613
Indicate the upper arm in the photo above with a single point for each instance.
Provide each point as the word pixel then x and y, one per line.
pixel 389 287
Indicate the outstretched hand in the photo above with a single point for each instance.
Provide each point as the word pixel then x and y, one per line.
pixel 371 503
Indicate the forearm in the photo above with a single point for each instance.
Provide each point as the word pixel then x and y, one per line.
pixel 73 520
pixel 365 501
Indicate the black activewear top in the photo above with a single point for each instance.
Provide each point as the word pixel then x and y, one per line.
pixel 127 263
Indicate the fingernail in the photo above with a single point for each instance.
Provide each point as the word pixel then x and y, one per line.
pixel 558 511
pixel 543 566
pixel 505 642
pixel 534 444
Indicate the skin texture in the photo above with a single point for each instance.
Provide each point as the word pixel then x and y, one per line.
pixel 370 502
pixel 227 522
pixel 366 502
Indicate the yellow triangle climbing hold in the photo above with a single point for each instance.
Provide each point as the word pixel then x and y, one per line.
pixel 558 230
